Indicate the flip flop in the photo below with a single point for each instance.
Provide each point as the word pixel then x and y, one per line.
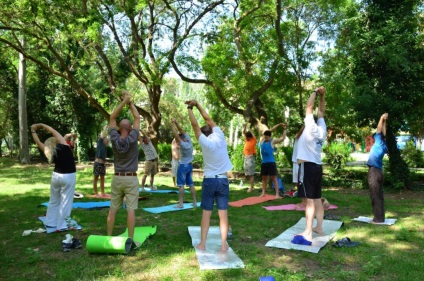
pixel 345 242
pixel 300 240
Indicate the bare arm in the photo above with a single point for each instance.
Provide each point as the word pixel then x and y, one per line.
pixel 175 129
pixel 276 127
pixel 60 139
pixel 381 127
pixel 311 102
pixel 136 115
pixel 282 138
pixel 115 113
pixel 194 123
pixel 244 130
pixel 321 106
pixel 203 112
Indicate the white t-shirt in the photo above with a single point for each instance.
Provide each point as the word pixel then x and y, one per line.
pixel 215 153
pixel 311 141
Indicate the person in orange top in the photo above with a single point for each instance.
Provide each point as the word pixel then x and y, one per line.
pixel 249 152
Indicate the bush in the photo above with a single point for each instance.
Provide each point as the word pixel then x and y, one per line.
pixel 412 156
pixel 337 155
pixel 165 152
pixel 237 158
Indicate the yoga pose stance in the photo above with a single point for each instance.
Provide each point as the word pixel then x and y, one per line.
pixel 185 169
pixel 309 158
pixel 62 186
pixel 125 150
pixel 215 185
pixel 99 166
pixel 375 171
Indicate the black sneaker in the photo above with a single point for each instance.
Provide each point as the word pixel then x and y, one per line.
pixel 66 247
pixel 76 243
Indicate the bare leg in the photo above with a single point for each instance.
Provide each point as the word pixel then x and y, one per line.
pixel 319 215
pixel 152 178
pixel 111 221
pixel 204 228
pixel 309 216
pixel 180 197
pixel 193 194
pixel 102 185
pixel 96 178
pixel 251 180
pixel 175 181
pixel 223 228
pixel 131 223
pixel 143 182
pixel 276 186
pixel 264 182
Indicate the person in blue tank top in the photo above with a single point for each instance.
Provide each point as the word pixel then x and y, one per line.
pixel 375 171
pixel 268 166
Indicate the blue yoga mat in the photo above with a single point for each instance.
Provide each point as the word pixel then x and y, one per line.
pixel 148 190
pixel 73 226
pixel 169 208
pixel 86 205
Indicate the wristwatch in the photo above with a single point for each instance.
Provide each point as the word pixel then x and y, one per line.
pixel 189 107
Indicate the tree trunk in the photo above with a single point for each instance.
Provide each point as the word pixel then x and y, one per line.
pixel 23 125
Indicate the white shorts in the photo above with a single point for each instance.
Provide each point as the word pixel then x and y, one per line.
pixel 175 163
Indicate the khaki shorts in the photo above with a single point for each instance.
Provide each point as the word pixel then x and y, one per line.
pixel 150 167
pixel 249 165
pixel 124 186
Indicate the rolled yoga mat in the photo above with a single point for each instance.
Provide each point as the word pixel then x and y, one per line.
pixel 121 244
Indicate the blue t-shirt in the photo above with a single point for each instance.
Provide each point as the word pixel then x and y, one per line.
pixel 377 152
pixel 267 152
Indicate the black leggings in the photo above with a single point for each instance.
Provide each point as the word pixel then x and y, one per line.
pixel 375 183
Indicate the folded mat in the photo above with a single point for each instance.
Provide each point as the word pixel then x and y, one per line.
pixel 147 189
pixel 252 200
pixel 283 241
pixel 291 207
pixel 369 220
pixel 86 205
pixel 169 208
pixel 121 244
pixel 213 257
pixel 73 225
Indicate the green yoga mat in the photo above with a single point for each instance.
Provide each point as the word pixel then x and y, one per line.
pixel 121 244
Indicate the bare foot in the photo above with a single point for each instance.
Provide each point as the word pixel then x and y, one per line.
pixel 179 206
pixel 153 188
pixel 201 247
pixel 262 195
pixel 97 195
pixel 142 189
pixel 318 231
pixel 104 195
pixel 194 204
pixel 225 247
pixel 278 196
pixel 307 237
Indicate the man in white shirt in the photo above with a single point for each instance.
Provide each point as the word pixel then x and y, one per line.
pixel 309 158
pixel 215 185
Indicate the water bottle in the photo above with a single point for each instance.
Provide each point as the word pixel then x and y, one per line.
pixel 230 233
pixel 241 183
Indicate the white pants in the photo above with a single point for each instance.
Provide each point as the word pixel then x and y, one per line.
pixel 62 188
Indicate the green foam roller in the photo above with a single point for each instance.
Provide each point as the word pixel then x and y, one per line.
pixel 108 244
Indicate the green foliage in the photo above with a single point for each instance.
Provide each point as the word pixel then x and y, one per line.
pixel 412 156
pixel 337 155
pixel 285 157
pixel 165 152
pixel 237 157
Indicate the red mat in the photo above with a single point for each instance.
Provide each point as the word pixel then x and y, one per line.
pixel 252 201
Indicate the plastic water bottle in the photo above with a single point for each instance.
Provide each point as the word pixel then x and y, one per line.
pixel 241 183
pixel 230 233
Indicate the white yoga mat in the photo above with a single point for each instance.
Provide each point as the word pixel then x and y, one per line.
pixel 369 220
pixel 283 241
pixel 170 208
pixel 213 257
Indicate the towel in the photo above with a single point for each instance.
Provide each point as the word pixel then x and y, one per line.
pixel 213 257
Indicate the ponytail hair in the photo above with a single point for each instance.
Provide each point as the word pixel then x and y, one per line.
pixel 50 148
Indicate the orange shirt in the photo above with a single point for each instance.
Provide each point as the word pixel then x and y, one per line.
pixel 250 146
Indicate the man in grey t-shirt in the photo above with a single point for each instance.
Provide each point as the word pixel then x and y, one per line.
pixel 185 169
pixel 125 182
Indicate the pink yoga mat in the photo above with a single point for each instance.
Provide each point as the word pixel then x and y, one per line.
pixel 252 200
pixel 292 207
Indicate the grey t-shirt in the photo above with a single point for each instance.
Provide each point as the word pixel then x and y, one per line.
pixel 186 150
pixel 101 149
pixel 125 151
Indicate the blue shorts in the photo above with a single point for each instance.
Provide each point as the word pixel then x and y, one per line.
pixel 215 189
pixel 185 175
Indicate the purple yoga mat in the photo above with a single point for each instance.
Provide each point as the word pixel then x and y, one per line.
pixel 291 207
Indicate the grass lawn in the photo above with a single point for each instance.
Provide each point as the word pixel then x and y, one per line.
pixel 386 252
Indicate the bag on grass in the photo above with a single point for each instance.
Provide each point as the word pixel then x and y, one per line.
pixel 280 185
